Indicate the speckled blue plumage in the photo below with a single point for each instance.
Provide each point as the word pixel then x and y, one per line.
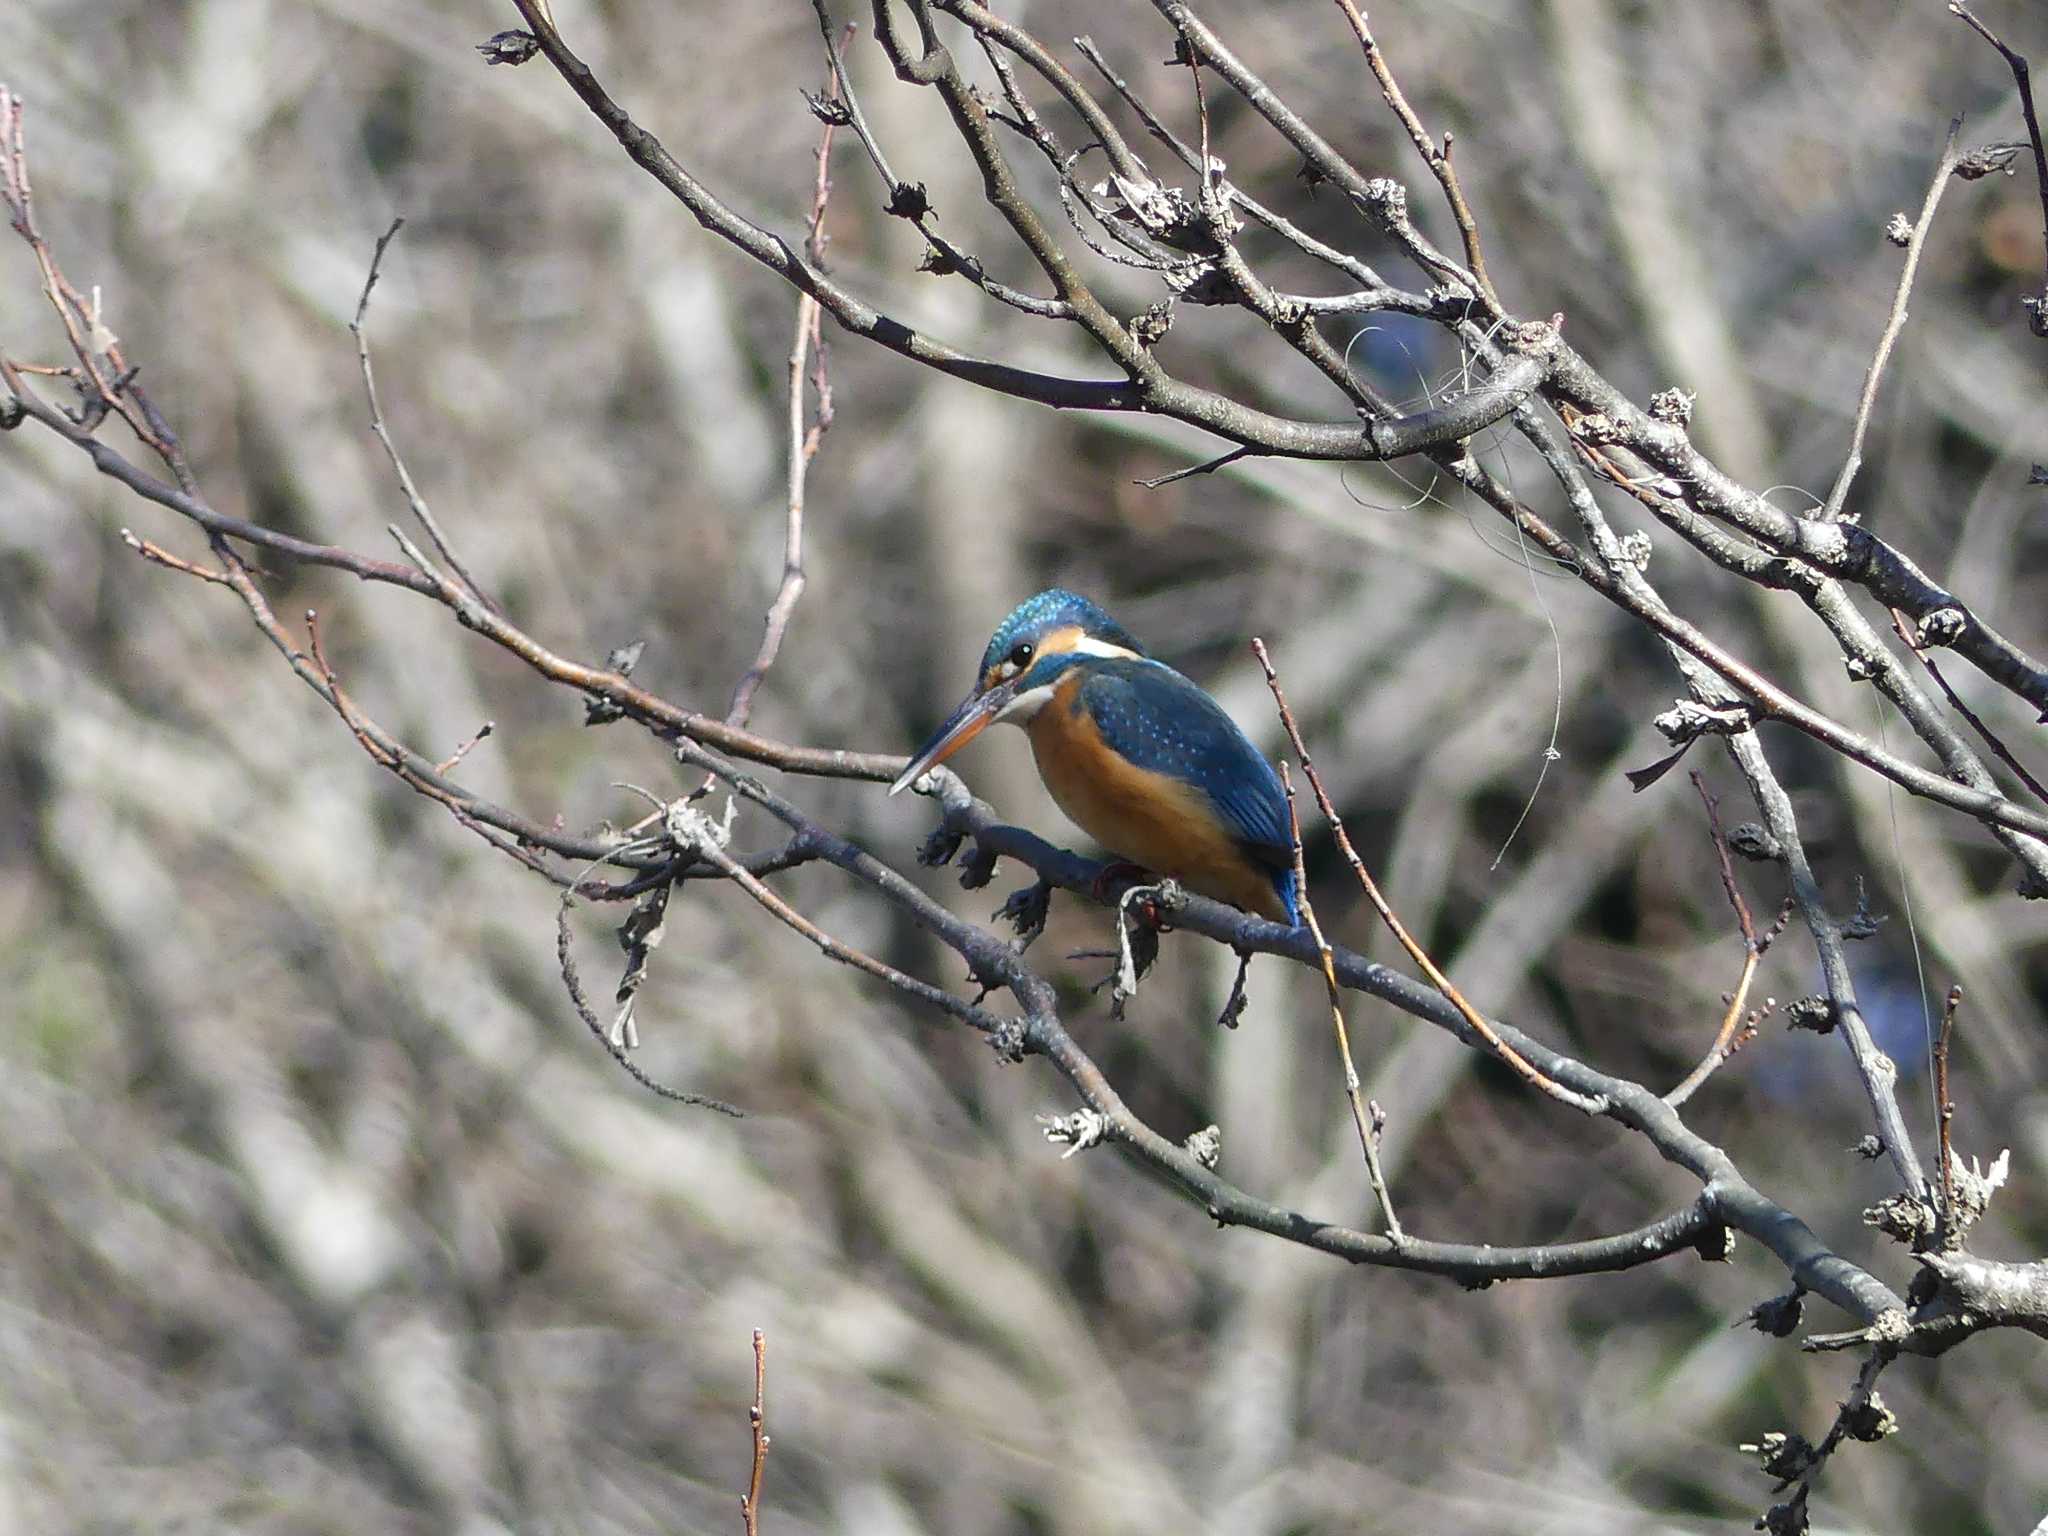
pixel 1155 718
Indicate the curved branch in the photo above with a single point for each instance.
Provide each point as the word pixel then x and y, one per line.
pixel 1735 1202
pixel 1152 391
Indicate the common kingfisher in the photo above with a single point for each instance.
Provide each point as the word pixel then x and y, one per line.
pixel 1139 757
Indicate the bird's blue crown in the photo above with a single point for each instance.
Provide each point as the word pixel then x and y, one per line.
pixel 1054 608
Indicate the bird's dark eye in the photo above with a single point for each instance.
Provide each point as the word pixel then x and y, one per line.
pixel 1019 655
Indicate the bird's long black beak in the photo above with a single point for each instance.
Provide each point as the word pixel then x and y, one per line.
pixel 975 714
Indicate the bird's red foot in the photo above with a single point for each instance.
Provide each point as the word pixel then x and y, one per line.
pixel 1115 873
pixel 1148 909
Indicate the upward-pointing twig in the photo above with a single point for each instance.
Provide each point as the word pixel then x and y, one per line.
pixel 1472 1016
pixel 1368 1136
pixel 750 1501
pixel 1944 1110
pixel 2037 307
pixel 807 350
pixel 1438 160
pixel 413 499
pixel 1942 169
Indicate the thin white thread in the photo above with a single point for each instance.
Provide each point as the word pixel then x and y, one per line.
pixel 1550 752
pixel 1522 554
pixel 1891 798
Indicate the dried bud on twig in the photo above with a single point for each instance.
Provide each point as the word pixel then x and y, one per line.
pixel 1754 842
pixel 829 110
pixel 1077 1132
pixel 1816 1013
pixel 1942 627
pixel 1673 405
pixel 1867 1418
pixel 1988 161
pixel 908 200
pixel 1862 923
pixel 513 47
pixel 1387 197
pixel 1903 1218
pixel 1781 1455
pixel 1778 1315
pixel 1686 721
pixel 1150 325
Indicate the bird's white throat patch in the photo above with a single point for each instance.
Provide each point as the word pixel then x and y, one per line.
pixel 1028 703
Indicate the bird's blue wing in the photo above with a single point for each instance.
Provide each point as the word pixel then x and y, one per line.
pixel 1150 714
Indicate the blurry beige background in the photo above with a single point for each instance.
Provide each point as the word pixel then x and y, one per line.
pixel 323 1213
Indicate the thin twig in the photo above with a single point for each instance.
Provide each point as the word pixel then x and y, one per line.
pixel 2037 308
pixel 783 912
pixel 93 343
pixel 1734 891
pixel 804 440
pixel 1139 250
pixel 1861 1408
pixel 1907 633
pixel 1368 1140
pixel 1344 262
pixel 573 985
pixel 1893 325
pixel 1486 1032
pixel 613 688
pixel 1206 170
pixel 1207 466
pixel 842 83
pixel 750 1501
pixel 163 557
pixel 1753 948
pixel 344 706
pixel 986 23
pixel 907 200
pixel 413 498
pixel 1438 160
pixel 1724 1044
pixel 1944 1109
pixel 454 759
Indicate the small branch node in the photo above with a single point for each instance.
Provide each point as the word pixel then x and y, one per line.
pixel 1778 1315
pixel 1862 923
pixel 1816 1012
pixel 1673 405
pixel 1077 1132
pixel 1752 841
pixel 1687 720
pixel 513 46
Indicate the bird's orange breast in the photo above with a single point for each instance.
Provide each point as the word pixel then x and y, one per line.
pixel 1145 817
